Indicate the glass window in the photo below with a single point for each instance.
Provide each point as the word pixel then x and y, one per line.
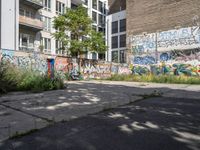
pixel 47 4
pixel 115 27
pixel 26 41
pixel 101 20
pixel 47 44
pixel 21 12
pixel 100 6
pixel 94 4
pixel 115 42
pixel 123 25
pixel 123 40
pixel 94 17
pixel 94 55
pixel 115 56
pixel 122 57
pixel 60 7
pixel 47 23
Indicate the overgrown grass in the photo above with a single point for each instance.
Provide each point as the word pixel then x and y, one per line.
pixel 157 79
pixel 15 79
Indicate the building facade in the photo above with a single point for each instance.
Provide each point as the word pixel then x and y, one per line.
pixel 157 30
pixel 116 32
pixel 30 24
pixel 97 10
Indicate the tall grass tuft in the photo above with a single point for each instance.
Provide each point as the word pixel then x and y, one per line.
pixel 15 79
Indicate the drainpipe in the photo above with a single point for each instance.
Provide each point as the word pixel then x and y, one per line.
pixel 107 39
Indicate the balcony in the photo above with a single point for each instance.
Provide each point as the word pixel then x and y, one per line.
pixel 30 23
pixel 77 2
pixel 37 4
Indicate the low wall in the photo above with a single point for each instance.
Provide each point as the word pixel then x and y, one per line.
pixel 169 64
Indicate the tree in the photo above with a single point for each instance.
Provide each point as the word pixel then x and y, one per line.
pixel 83 38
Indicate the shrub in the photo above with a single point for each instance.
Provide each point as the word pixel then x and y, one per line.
pixel 15 79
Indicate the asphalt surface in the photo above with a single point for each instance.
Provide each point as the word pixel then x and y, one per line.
pixel 150 124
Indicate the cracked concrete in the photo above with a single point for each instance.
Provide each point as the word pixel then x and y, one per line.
pixel 21 111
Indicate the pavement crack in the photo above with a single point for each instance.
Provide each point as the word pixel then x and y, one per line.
pixel 30 114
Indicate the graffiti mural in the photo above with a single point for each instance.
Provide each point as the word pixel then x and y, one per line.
pixel 33 61
pixel 143 43
pixel 63 64
pixel 179 39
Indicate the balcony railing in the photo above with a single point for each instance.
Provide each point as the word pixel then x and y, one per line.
pixel 38 4
pixel 35 24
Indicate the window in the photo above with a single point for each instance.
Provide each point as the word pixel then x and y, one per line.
pixel 47 4
pixel 94 4
pixel 60 7
pixel 94 55
pixel 115 42
pixel 102 30
pixel 59 48
pixel 26 41
pixel 115 56
pixel 122 57
pixel 100 6
pixel 101 20
pixel 123 40
pixel 26 12
pixel 115 27
pixel 47 23
pixel 47 44
pixel 101 56
pixel 123 25
pixel 94 17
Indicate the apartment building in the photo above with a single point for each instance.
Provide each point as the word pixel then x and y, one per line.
pixel 116 31
pixel 97 10
pixel 30 24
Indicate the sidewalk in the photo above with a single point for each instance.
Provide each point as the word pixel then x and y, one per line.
pixel 21 112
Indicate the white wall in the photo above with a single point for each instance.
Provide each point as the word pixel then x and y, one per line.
pixel 109 19
pixel 9 24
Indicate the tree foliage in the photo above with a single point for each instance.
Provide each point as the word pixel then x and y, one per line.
pixel 79 24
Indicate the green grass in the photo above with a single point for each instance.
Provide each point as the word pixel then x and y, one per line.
pixel 157 79
pixel 16 79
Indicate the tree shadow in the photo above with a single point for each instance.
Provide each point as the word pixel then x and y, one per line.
pixel 152 124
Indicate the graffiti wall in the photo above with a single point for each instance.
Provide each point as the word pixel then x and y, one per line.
pixel 63 64
pixel 34 61
pixel 169 52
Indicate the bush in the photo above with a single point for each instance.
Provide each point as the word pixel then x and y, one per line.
pixel 15 79
pixel 8 80
pixel 182 79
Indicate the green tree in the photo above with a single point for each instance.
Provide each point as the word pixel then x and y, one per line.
pixel 83 38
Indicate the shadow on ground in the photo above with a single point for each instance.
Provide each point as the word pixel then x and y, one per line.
pixel 151 124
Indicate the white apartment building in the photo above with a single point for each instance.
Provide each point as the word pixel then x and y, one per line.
pixel 30 23
pixel 116 37
pixel 97 10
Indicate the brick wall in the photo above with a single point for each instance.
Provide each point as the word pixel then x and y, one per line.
pixel 116 5
pixel 158 15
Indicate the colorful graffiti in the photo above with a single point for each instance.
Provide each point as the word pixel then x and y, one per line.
pixel 93 69
pixel 63 64
pixel 146 60
pixel 34 61
pixel 183 38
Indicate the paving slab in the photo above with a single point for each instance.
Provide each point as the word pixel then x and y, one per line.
pixel 13 122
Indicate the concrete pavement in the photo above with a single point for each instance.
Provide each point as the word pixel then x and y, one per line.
pixel 21 112
pixel 157 123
